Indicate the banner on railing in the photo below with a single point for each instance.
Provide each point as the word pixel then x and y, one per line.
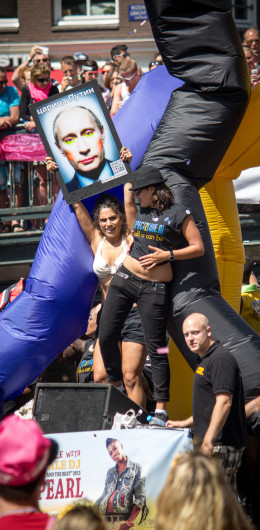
pixel 87 467
pixel 22 147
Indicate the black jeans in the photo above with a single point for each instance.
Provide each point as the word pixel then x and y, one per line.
pixel 152 300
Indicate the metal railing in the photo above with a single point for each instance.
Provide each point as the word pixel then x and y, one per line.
pixel 19 248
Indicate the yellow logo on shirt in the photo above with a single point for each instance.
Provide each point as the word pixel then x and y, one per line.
pixel 200 370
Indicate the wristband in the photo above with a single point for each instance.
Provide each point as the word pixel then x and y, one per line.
pixel 130 523
pixel 171 258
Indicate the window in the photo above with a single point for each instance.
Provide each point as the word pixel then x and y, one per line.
pixel 86 12
pixel 8 15
pixel 244 13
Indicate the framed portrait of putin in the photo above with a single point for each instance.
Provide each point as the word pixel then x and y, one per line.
pixel 77 131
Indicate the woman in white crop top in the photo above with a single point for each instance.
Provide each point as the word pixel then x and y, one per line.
pixel 109 237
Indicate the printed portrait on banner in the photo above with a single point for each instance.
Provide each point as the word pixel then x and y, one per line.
pixel 119 471
pixel 77 131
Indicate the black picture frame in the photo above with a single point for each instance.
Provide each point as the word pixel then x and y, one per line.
pixel 109 170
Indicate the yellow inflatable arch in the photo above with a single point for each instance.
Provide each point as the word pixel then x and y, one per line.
pixel 219 202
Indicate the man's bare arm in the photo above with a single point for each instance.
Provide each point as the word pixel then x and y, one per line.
pixel 180 424
pixel 218 419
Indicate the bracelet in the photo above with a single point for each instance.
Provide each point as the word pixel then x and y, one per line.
pixel 171 258
pixel 130 523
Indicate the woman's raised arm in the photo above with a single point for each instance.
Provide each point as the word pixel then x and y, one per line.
pixel 130 206
pixel 84 219
pixel 87 225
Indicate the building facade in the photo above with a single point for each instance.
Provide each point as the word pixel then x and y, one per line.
pixel 91 26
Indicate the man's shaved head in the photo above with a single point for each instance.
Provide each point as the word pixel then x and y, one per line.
pixel 197 333
pixel 197 317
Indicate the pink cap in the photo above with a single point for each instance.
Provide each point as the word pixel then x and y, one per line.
pixel 24 452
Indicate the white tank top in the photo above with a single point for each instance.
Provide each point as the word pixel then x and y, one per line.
pixel 124 92
pixel 100 266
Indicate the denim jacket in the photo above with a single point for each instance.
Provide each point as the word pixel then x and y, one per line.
pixel 129 486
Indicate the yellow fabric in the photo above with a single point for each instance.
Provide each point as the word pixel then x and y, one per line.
pixel 218 198
pixel 244 150
pixel 251 309
pixel 219 202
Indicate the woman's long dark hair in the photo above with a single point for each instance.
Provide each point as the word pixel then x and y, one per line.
pixel 108 201
pixel 162 197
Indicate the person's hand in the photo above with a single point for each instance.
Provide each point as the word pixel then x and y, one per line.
pixel 206 448
pixel 65 83
pixel 29 125
pixel 254 77
pixel 119 105
pixel 126 155
pixel 5 122
pixel 130 241
pixel 149 261
pixel 170 424
pixel 34 51
pixel 50 164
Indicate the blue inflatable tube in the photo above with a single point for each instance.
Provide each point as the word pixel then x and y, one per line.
pixel 53 310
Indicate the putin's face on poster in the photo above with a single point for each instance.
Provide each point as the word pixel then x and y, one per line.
pixel 80 137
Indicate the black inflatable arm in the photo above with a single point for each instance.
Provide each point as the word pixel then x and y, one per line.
pixel 199 43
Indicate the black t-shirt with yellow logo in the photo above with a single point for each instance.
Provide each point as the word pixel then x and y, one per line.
pixel 158 229
pixel 218 373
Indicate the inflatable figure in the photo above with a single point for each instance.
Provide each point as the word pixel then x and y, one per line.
pixel 200 45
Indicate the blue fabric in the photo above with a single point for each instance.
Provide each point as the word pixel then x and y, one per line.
pixel 53 310
pixel 9 98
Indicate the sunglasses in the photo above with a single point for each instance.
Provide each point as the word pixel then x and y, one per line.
pixel 43 80
pixel 138 190
pixel 2 83
pixel 250 42
pixel 38 61
pixel 154 63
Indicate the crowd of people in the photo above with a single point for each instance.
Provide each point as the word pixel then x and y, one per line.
pixel 134 278
pixel 195 495
pixel 116 79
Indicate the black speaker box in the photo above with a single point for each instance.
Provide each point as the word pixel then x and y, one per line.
pixel 74 407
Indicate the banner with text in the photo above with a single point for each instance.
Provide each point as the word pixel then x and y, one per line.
pixel 87 466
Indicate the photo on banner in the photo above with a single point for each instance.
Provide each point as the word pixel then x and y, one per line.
pixel 77 131
pixel 86 467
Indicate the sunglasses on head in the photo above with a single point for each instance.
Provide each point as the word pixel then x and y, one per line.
pixel 120 55
pixel 43 80
pixel 129 78
pixel 154 63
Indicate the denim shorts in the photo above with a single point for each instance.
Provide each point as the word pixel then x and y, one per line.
pixel 132 330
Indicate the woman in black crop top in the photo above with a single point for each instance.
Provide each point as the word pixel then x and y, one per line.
pixel 162 232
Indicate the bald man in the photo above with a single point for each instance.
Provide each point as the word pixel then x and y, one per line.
pixel 218 418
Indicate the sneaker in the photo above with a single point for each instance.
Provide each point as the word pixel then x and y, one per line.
pixel 161 416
